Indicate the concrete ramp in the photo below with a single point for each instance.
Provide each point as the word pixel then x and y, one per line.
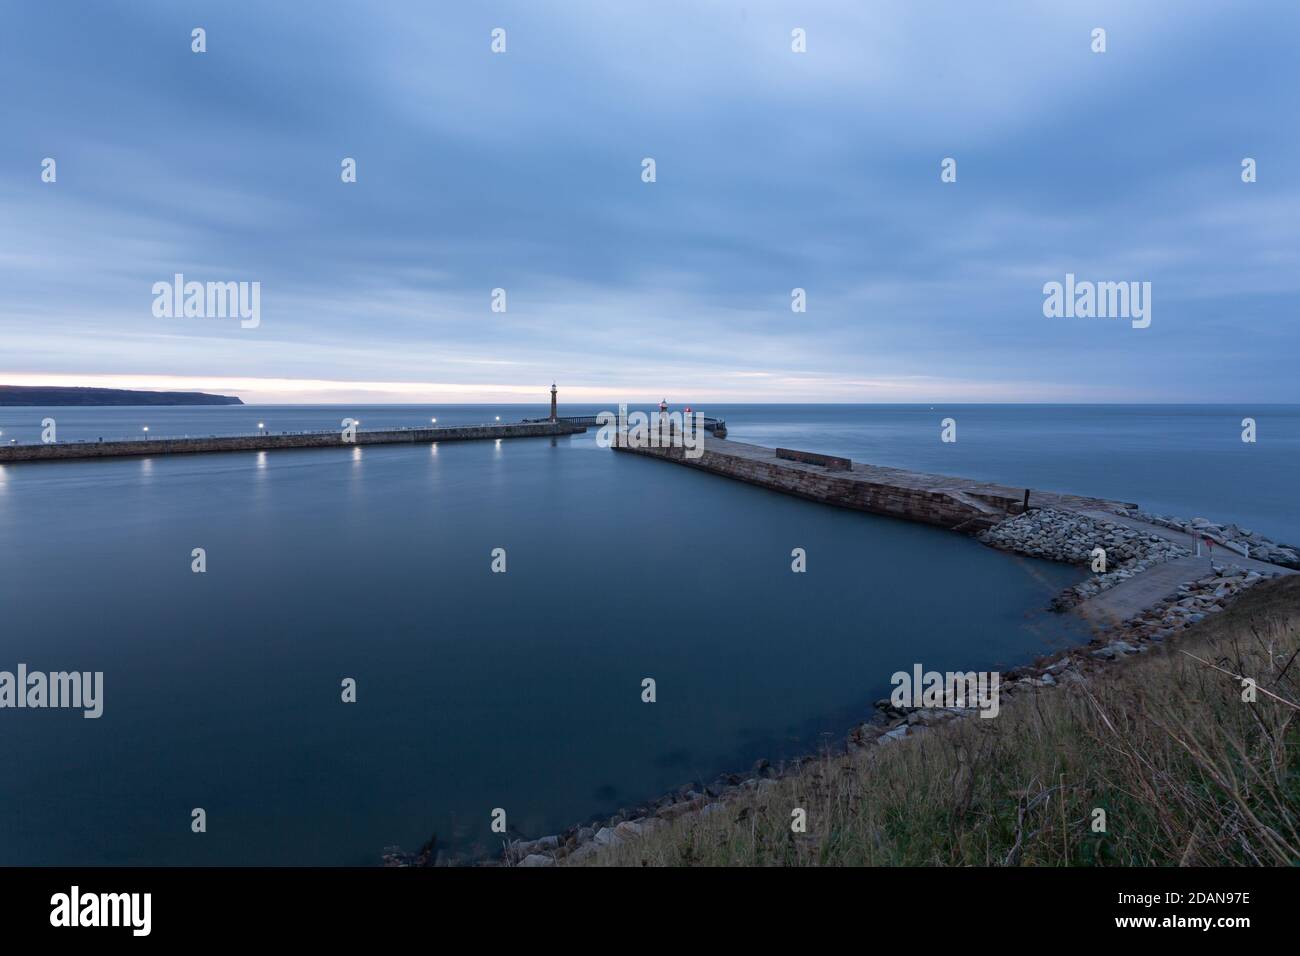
pixel 1138 593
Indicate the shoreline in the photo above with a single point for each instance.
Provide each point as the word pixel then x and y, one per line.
pixel 1067 530
pixel 1153 574
pixel 887 725
pixel 1165 620
pixel 1144 764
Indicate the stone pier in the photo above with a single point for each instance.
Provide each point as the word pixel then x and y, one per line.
pixel 62 451
pixel 955 503
pixel 1151 563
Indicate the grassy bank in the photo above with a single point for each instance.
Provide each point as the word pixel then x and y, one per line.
pixel 1186 772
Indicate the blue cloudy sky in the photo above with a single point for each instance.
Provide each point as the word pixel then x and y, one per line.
pixel 775 170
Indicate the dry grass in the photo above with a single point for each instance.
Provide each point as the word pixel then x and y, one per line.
pixel 1186 772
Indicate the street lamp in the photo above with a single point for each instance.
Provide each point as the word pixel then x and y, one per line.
pixel 146 431
pixel 434 420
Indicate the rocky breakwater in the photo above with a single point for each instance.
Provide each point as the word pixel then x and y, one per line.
pixel 1153 627
pixel 1193 603
pixel 1073 538
pixel 1241 540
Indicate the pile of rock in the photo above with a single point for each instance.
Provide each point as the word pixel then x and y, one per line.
pixel 1241 540
pixel 1071 537
pixel 1193 602
pixel 891 723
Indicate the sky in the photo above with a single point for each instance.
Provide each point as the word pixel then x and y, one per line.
pixel 774 170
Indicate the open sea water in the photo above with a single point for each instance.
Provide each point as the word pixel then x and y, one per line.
pixel 519 690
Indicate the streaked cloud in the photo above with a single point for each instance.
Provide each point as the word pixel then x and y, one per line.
pixel 775 171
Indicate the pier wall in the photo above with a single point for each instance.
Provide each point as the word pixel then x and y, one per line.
pixel 59 451
pixel 972 511
pixel 829 462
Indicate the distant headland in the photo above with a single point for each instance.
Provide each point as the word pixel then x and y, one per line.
pixel 39 395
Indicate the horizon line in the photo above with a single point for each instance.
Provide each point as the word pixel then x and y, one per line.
pixel 779 390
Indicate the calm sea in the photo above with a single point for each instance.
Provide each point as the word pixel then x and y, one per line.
pixel 519 690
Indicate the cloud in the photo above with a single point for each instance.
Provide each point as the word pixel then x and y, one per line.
pixel 776 171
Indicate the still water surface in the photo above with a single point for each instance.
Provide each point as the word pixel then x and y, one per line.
pixel 479 690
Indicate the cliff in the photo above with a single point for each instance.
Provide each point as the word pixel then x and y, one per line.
pixel 42 396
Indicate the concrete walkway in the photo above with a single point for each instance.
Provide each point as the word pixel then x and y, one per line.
pixel 1153 585
pixel 1224 556
pixel 1130 598
pixel 994 498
